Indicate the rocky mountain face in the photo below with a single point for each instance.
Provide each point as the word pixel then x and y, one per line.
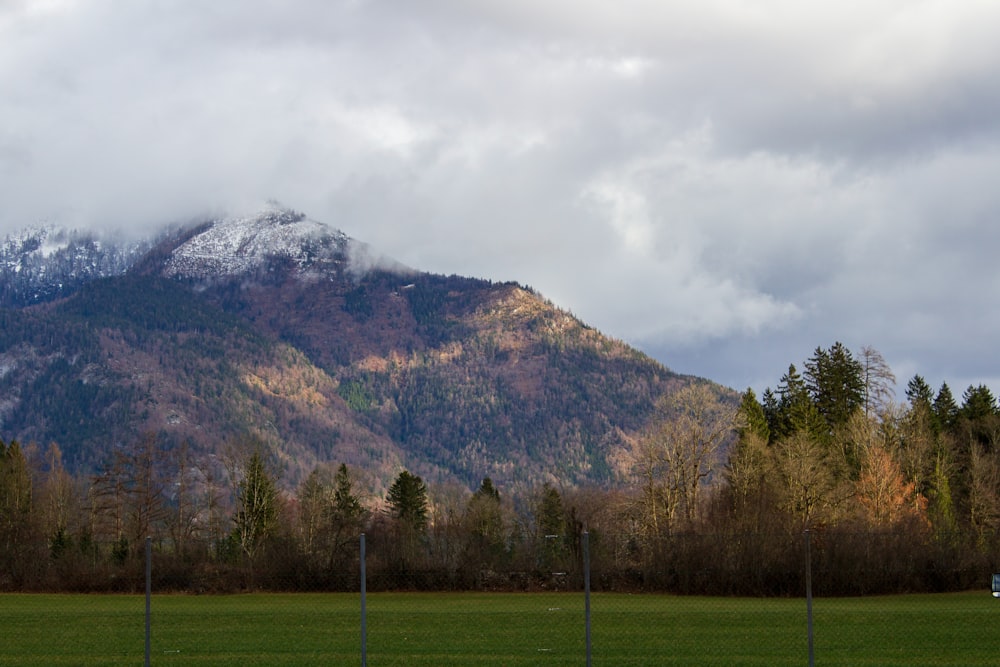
pixel 278 328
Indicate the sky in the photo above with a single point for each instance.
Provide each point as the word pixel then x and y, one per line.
pixel 725 184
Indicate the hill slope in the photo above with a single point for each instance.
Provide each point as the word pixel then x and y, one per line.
pixel 282 328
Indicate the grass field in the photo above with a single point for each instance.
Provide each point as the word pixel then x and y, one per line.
pixel 498 629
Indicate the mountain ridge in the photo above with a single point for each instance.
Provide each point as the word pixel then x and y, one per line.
pixel 283 328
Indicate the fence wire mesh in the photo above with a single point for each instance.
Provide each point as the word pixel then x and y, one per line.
pixel 682 605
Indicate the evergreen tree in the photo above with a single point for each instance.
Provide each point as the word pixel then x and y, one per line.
pixel 796 410
pixel 978 403
pixel 791 387
pixel 792 399
pixel 836 383
pixel 408 501
pixel 486 490
pixel 772 413
pixel 945 408
pixel 551 519
pixel 345 518
pixel 345 504
pixel 918 392
pixel 978 434
pixel 753 419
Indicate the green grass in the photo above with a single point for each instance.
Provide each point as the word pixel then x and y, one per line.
pixel 498 629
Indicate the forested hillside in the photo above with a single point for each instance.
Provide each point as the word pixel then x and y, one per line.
pixel 278 328
pixel 709 498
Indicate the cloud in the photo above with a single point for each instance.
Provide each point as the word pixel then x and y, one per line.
pixel 362 259
pixel 727 184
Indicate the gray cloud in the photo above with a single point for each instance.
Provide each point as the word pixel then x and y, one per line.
pixel 726 185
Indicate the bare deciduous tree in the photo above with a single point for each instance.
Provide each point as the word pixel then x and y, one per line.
pixel 984 489
pixel 58 497
pixel 680 451
pixel 917 446
pixel 804 469
pixel 879 381
pixel 885 495
pixel 747 469
pixel 256 507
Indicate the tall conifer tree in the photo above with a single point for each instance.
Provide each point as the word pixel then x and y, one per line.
pixel 408 500
pixel 945 408
pixel 835 380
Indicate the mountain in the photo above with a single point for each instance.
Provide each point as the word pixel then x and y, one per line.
pixel 43 263
pixel 280 328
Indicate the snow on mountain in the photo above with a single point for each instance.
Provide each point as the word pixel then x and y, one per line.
pixel 36 241
pixel 238 245
pixel 40 263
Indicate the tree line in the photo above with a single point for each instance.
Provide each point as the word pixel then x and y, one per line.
pixel 711 497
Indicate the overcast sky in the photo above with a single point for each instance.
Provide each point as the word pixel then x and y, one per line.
pixel 725 184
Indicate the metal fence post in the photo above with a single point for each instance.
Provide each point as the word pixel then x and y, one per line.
pixel 364 611
pixel 809 598
pixel 149 589
pixel 586 589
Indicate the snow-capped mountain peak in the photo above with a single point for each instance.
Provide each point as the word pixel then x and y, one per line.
pixel 238 245
pixel 42 263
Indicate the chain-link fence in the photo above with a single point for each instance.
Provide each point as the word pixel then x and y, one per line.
pixel 384 607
